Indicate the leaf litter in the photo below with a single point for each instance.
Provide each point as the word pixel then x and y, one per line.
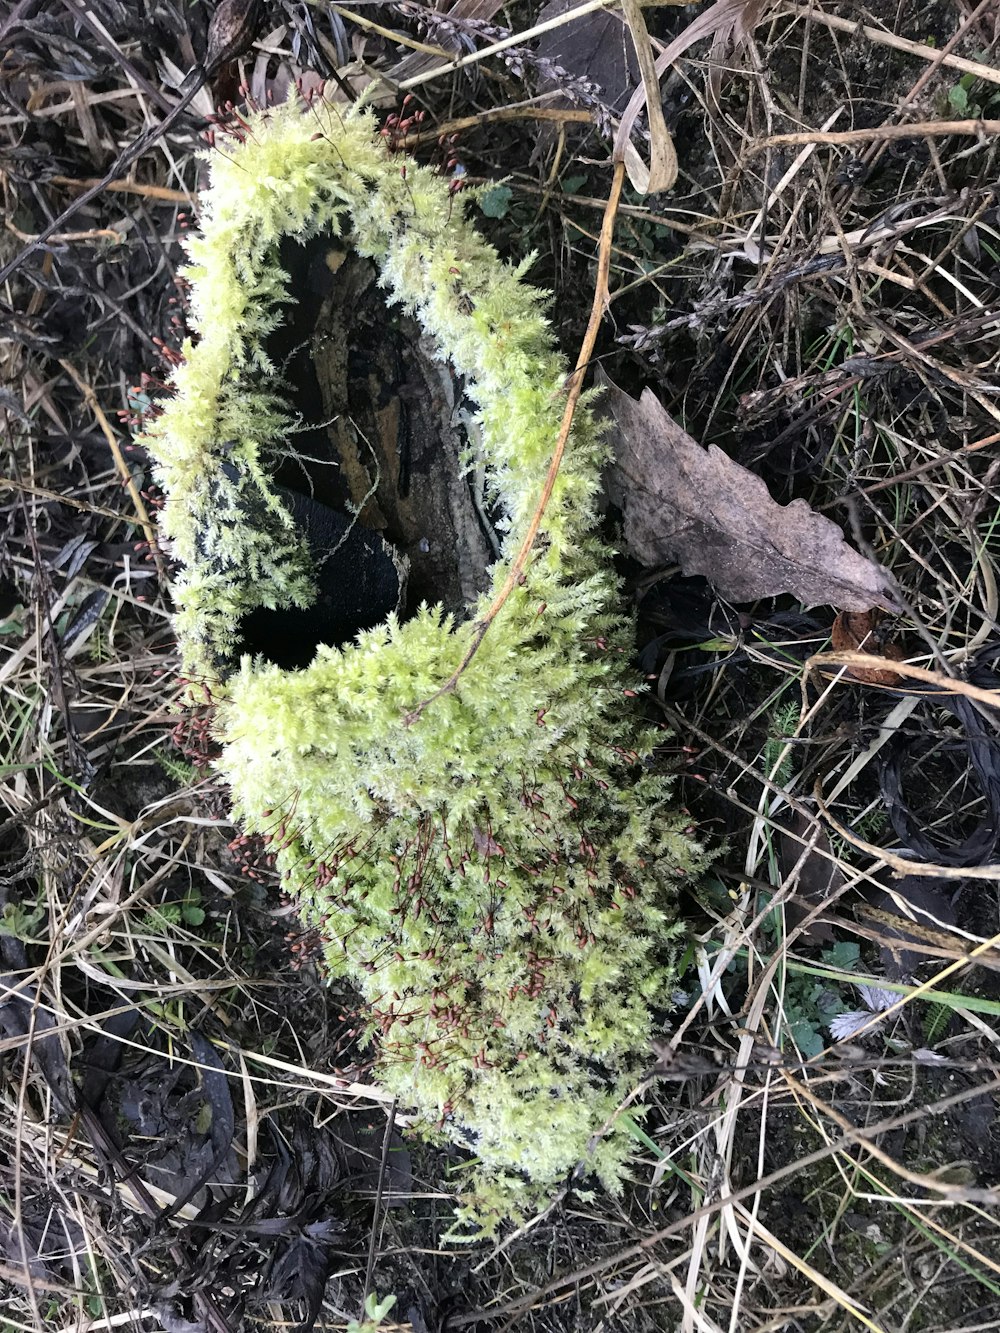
pixel 682 502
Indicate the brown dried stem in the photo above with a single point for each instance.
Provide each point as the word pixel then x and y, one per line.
pixel 918 130
pixel 142 514
pixel 920 50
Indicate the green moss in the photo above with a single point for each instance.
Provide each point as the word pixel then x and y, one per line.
pixel 497 876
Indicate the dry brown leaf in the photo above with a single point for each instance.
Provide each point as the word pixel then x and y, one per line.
pixel 683 502
pixel 857 631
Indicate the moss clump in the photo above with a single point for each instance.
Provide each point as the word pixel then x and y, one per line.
pixel 496 875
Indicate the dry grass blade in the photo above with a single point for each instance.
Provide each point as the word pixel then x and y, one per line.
pixel 125 472
pixel 722 17
pixel 852 1135
pixel 496 48
pixel 661 174
pixel 427 59
pixel 820 1280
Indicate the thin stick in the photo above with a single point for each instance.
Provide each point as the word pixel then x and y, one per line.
pixel 65 237
pixel 943 684
pixel 918 130
pixel 574 389
pixel 129 154
pixel 561 115
pixel 398 38
pixel 162 192
pixel 142 514
pixel 383 1167
pixel 43 493
pixel 901 865
pixel 911 48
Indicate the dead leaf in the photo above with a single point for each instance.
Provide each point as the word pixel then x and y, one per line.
pixel 855 631
pixel 231 32
pixel 683 502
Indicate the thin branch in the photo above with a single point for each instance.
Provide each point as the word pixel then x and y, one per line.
pixel 880 35
pixel 560 115
pixel 162 192
pixel 918 130
pixel 142 514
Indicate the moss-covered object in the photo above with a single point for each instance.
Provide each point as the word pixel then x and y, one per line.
pixel 496 876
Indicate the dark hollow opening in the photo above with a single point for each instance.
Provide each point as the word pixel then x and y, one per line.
pixel 373 470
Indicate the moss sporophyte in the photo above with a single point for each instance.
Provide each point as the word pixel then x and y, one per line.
pixel 495 873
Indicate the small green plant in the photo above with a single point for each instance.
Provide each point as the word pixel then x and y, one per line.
pixel 188 911
pixel 14 624
pixel 971 97
pixel 375 1311
pixel 183 773
pixel 935 1022
pixel 782 725
pixel 23 922
pixel 192 912
pixel 158 920
pixel 811 1005
pixel 493 864
pixel 495 201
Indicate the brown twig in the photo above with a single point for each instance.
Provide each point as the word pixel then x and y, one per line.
pixel 917 130
pixel 942 683
pixel 142 514
pixel 561 115
pixel 901 865
pixel 905 44
pixel 65 237
pixel 43 493
pixel 918 470
pixel 161 192
pixel 189 90
pixel 574 389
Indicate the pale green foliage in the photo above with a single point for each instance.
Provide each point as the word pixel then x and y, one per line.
pixel 375 1311
pixel 495 875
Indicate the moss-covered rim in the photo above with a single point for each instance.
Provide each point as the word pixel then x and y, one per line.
pixel 300 172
